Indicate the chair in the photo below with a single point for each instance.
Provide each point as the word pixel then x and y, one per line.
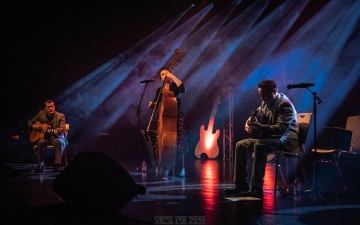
pixel 353 124
pixel 67 127
pixel 304 123
pixel 335 141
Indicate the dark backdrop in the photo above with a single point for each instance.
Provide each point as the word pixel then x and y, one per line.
pixel 47 47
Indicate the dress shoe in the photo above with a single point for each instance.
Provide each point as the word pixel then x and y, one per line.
pixel 237 188
pixel 57 168
pixel 40 168
pixel 254 192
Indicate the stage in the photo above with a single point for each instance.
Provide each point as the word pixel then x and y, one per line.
pixel 28 198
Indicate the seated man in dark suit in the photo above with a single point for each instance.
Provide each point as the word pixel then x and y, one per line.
pixel 276 127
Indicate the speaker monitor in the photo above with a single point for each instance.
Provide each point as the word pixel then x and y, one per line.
pixel 95 182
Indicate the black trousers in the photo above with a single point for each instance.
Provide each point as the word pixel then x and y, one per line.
pixel 261 148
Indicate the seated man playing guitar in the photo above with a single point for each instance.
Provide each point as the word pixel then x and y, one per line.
pixel 48 128
pixel 273 126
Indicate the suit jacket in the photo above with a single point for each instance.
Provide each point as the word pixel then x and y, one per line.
pixel 279 121
pixel 58 121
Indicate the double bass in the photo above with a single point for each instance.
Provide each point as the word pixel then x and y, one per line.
pixel 163 149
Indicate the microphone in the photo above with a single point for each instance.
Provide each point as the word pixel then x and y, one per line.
pixel 147 81
pixel 301 85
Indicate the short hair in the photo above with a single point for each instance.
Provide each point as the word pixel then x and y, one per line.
pixel 48 101
pixel 268 84
pixel 161 69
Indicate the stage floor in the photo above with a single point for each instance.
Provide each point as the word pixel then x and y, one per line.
pixel 197 199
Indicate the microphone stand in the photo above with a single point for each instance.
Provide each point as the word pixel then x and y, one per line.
pixel 315 188
pixel 138 111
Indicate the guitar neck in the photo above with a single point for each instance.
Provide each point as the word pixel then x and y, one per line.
pixel 53 130
pixel 49 131
pixel 213 113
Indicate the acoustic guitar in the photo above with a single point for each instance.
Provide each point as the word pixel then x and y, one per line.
pixel 35 135
pixel 208 140
pixel 256 115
